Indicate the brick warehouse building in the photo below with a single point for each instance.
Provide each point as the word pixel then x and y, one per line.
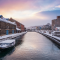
pixel 56 23
pixel 20 27
pixel 7 27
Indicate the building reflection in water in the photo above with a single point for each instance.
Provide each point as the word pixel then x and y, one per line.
pixel 9 51
pixel 32 45
pixel 6 52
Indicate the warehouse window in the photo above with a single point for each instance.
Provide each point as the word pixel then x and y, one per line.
pixel 7 27
pixel 13 27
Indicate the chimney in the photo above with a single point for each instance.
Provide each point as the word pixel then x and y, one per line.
pixel 58 17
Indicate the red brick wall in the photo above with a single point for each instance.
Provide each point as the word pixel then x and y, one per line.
pixel 18 24
pixel 22 27
pixel 12 20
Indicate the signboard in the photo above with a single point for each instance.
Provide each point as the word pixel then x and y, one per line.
pixel 40 27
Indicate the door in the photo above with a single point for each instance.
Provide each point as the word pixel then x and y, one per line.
pixel 7 32
pixel 12 31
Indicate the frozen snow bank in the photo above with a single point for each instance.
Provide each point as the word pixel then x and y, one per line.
pixel 18 29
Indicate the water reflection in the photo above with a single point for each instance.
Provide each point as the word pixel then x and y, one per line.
pixel 34 46
pixel 6 52
pixel 19 42
pixel 9 51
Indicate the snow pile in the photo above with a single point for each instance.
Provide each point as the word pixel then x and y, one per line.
pixel 18 29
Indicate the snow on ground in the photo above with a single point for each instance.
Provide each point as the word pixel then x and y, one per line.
pixel 18 29
pixel 11 35
pixel 51 35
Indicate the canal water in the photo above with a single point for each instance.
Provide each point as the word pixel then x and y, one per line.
pixel 33 46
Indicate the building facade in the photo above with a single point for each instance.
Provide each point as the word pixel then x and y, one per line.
pixel 7 27
pixel 56 23
pixel 19 27
pixel 46 27
pixel 22 28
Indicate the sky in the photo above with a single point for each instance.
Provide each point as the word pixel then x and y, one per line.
pixel 30 12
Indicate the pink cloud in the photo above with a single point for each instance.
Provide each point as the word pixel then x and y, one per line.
pixel 7 5
pixel 17 4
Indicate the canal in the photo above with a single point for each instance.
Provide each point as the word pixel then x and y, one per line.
pixel 33 46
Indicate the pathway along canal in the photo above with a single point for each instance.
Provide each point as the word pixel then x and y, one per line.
pixel 33 46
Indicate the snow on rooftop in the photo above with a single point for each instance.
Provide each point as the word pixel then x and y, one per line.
pixel 18 29
pixel 0 15
pixel 4 20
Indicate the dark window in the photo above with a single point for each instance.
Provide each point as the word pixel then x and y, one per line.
pixel 13 27
pixel 7 27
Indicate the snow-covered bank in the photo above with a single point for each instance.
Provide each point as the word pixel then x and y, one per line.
pixel 53 38
pixel 11 35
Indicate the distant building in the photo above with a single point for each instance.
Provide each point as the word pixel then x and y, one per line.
pixel 46 27
pixel 56 23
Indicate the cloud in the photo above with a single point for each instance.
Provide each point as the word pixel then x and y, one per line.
pixel 36 5
pixel 28 10
pixel 44 18
pixel 58 6
pixel 50 14
pixel 27 4
pixel 18 4
pixel 34 22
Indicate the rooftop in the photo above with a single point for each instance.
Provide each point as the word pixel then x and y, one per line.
pixel 4 20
